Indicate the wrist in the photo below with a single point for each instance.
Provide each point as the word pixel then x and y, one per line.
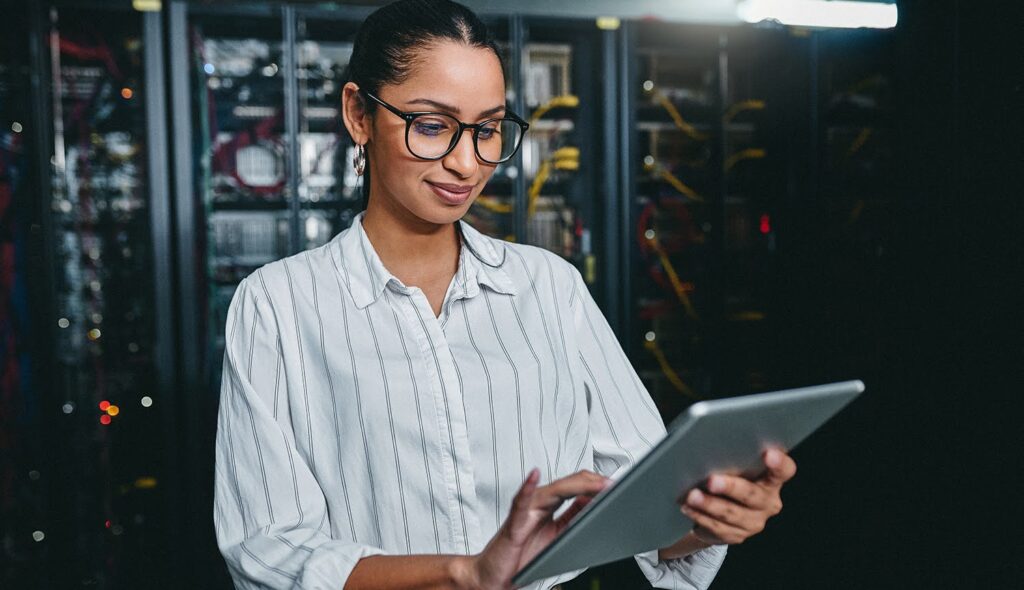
pixel 462 572
pixel 688 545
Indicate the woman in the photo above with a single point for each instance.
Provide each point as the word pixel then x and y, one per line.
pixel 408 405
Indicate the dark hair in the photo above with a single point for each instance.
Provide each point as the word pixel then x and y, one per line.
pixel 387 44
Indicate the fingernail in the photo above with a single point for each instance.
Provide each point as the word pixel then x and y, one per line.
pixel 772 458
pixel 696 498
pixel 717 484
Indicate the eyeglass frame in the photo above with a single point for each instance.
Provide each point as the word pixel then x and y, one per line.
pixel 410 116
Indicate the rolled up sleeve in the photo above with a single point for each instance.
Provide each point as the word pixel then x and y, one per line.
pixel 270 513
pixel 624 425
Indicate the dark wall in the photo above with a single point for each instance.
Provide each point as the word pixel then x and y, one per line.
pixel 914 486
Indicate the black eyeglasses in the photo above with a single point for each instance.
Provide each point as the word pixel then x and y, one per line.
pixel 432 136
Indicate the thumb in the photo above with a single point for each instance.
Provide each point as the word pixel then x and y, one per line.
pixel 780 467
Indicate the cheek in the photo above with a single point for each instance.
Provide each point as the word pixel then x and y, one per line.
pixel 392 162
pixel 487 172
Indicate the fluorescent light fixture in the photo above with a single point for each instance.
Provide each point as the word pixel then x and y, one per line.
pixel 820 13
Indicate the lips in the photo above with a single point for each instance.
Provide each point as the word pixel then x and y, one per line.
pixel 454 194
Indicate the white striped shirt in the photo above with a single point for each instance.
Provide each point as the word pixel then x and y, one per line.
pixel 354 422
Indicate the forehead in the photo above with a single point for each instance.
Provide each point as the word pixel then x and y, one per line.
pixel 453 73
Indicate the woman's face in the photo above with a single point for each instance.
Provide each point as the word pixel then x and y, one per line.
pixel 449 77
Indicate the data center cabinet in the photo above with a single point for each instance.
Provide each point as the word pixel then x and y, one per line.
pixel 272 166
pixel 708 150
pixel 99 400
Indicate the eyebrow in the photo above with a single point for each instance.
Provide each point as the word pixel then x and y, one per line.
pixel 454 110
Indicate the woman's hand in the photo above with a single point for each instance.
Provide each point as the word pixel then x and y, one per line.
pixel 529 528
pixel 732 509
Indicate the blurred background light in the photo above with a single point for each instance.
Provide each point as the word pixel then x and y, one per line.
pixel 820 13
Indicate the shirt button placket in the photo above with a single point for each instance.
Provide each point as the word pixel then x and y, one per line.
pixel 453 427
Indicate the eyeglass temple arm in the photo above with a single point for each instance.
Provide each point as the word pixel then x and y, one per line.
pixel 394 110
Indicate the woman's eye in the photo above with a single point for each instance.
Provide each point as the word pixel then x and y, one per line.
pixel 487 132
pixel 430 127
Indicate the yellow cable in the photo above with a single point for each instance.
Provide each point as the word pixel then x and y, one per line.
pixel 568 101
pixel 564 158
pixel 673 180
pixel 673 277
pixel 492 204
pixel 746 105
pixel 747 154
pixel 866 83
pixel 680 123
pixel 538 183
pixel 858 208
pixel 859 142
pixel 667 369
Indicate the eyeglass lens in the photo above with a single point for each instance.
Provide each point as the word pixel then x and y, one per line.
pixel 431 136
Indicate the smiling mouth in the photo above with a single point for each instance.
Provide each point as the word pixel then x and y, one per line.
pixel 455 194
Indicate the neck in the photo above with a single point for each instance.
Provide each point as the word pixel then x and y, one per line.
pixel 416 251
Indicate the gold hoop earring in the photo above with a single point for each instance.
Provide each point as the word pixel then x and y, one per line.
pixel 359 160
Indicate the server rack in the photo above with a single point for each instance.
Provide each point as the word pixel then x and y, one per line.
pixel 23 460
pixel 594 208
pixel 105 400
pixel 702 230
pixel 257 89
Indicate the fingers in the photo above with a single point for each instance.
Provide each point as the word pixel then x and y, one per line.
pixel 583 483
pixel 571 512
pixel 750 520
pixel 523 501
pixel 534 505
pixel 747 493
pixel 712 530
pixel 781 468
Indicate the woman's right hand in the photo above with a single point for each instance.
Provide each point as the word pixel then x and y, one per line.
pixel 530 527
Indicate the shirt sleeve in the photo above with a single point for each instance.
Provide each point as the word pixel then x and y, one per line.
pixel 624 425
pixel 270 514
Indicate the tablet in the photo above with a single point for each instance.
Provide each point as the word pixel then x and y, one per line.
pixel 640 511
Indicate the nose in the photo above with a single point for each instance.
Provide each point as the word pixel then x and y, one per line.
pixel 462 161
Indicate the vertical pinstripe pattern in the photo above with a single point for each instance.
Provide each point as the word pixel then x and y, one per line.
pixel 494 430
pixel 421 428
pixel 460 496
pixel 551 344
pixel 352 349
pixel 302 364
pixel 515 379
pixel 394 439
pixel 337 420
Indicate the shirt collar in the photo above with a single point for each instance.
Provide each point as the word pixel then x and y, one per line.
pixel 482 261
pixel 486 260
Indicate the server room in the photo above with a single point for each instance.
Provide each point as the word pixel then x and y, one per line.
pixel 743 196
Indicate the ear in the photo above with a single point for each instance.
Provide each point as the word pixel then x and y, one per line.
pixel 354 114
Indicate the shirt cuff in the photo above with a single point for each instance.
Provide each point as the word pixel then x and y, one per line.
pixel 330 565
pixel 693 572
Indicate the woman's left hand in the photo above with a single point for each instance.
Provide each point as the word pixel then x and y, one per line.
pixel 731 509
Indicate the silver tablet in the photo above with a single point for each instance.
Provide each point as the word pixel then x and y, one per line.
pixel 640 511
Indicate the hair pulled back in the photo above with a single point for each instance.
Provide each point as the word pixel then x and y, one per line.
pixel 388 42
